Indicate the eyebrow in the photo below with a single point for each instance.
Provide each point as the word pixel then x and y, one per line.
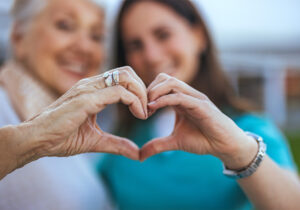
pixel 60 12
pixel 161 27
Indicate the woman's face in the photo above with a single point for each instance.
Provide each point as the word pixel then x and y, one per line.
pixel 64 43
pixel 156 39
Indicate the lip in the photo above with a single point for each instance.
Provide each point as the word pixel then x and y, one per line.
pixel 77 69
pixel 170 70
pixel 73 74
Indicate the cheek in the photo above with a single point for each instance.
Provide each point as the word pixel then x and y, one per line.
pixel 43 55
pixel 141 68
pixel 51 43
pixel 183 46
pixel 98 56
pixel 135 61
pixel 37 54
pixel 44 48
pixel 47 44
pixel 186 58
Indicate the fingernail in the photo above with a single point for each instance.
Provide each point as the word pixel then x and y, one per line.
pixel 151 103
pixel 150 112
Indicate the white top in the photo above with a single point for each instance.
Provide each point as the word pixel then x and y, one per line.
pixel 164 126
pixel 50 183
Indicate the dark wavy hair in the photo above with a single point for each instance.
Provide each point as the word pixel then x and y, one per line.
pixel 210 78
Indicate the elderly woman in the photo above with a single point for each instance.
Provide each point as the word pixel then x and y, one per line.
pixel 56 44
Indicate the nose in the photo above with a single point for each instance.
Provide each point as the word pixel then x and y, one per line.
pixel 83 44
pixel 153 54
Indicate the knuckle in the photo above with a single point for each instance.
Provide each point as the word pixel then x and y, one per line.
pixel 80 87
pixel 172 80
pixel 78 101
pixel 151 94
pixel 120 89
pixel 117 91
pixel 163 75
pixel 156 148
pixel 124 75
pixel 82 81
pixel 120 147
pixel 129 69
pixel 123 146
pixel 121 92
pixel 203 96
pixel 206 104
pixel 178 95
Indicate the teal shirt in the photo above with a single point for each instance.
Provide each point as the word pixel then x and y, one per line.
pixel 179 180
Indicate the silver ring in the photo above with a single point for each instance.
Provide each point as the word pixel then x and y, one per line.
pixel 108 79
pixel 116 77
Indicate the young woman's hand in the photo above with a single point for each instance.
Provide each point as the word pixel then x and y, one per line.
pixel 200 126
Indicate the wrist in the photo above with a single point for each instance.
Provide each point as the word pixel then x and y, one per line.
pixel 243 154
pixel 27 144
pixel 9 150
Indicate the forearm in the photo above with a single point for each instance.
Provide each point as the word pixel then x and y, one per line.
pixel 272 187
pixel 8 154
pixel 17 148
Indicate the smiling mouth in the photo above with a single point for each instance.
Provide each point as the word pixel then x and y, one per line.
pixel 76 68
pixel 170 70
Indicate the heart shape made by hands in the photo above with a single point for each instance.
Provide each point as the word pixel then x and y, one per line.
pixel 200 127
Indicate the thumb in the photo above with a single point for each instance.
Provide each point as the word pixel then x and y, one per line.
pixel 158 145
pixel 108 143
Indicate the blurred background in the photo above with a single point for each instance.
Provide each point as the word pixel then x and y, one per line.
pixel 259 43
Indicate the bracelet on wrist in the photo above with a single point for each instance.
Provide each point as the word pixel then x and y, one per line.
pixel 248 171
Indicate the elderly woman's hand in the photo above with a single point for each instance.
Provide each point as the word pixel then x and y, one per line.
pixel 200 126
pixel 68 126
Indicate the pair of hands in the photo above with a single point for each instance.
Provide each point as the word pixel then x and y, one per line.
pixel 68 126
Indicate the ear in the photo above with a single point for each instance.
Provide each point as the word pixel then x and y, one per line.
pixel 17 41
pixel 200 38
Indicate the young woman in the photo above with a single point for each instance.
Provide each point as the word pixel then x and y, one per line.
pixel 168 45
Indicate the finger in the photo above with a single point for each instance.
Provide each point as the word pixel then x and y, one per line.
pixel 157 146
pixel 130 72
pixel 158 79
pixel 130 82
pixel 79 108
pixel 186 102
pixel 133 74
pixel 95 102
pixel 173 85
pixel 83 86
pixel 128 78
pixel 96 81
pixel 109 143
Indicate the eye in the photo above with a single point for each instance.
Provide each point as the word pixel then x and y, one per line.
pixel 64 25
pixel 97 37
pixel 134 46
pixel 163 35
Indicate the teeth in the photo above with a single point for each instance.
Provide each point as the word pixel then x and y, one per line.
pixel 76 68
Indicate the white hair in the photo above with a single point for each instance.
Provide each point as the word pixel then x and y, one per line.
pixel 23 11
